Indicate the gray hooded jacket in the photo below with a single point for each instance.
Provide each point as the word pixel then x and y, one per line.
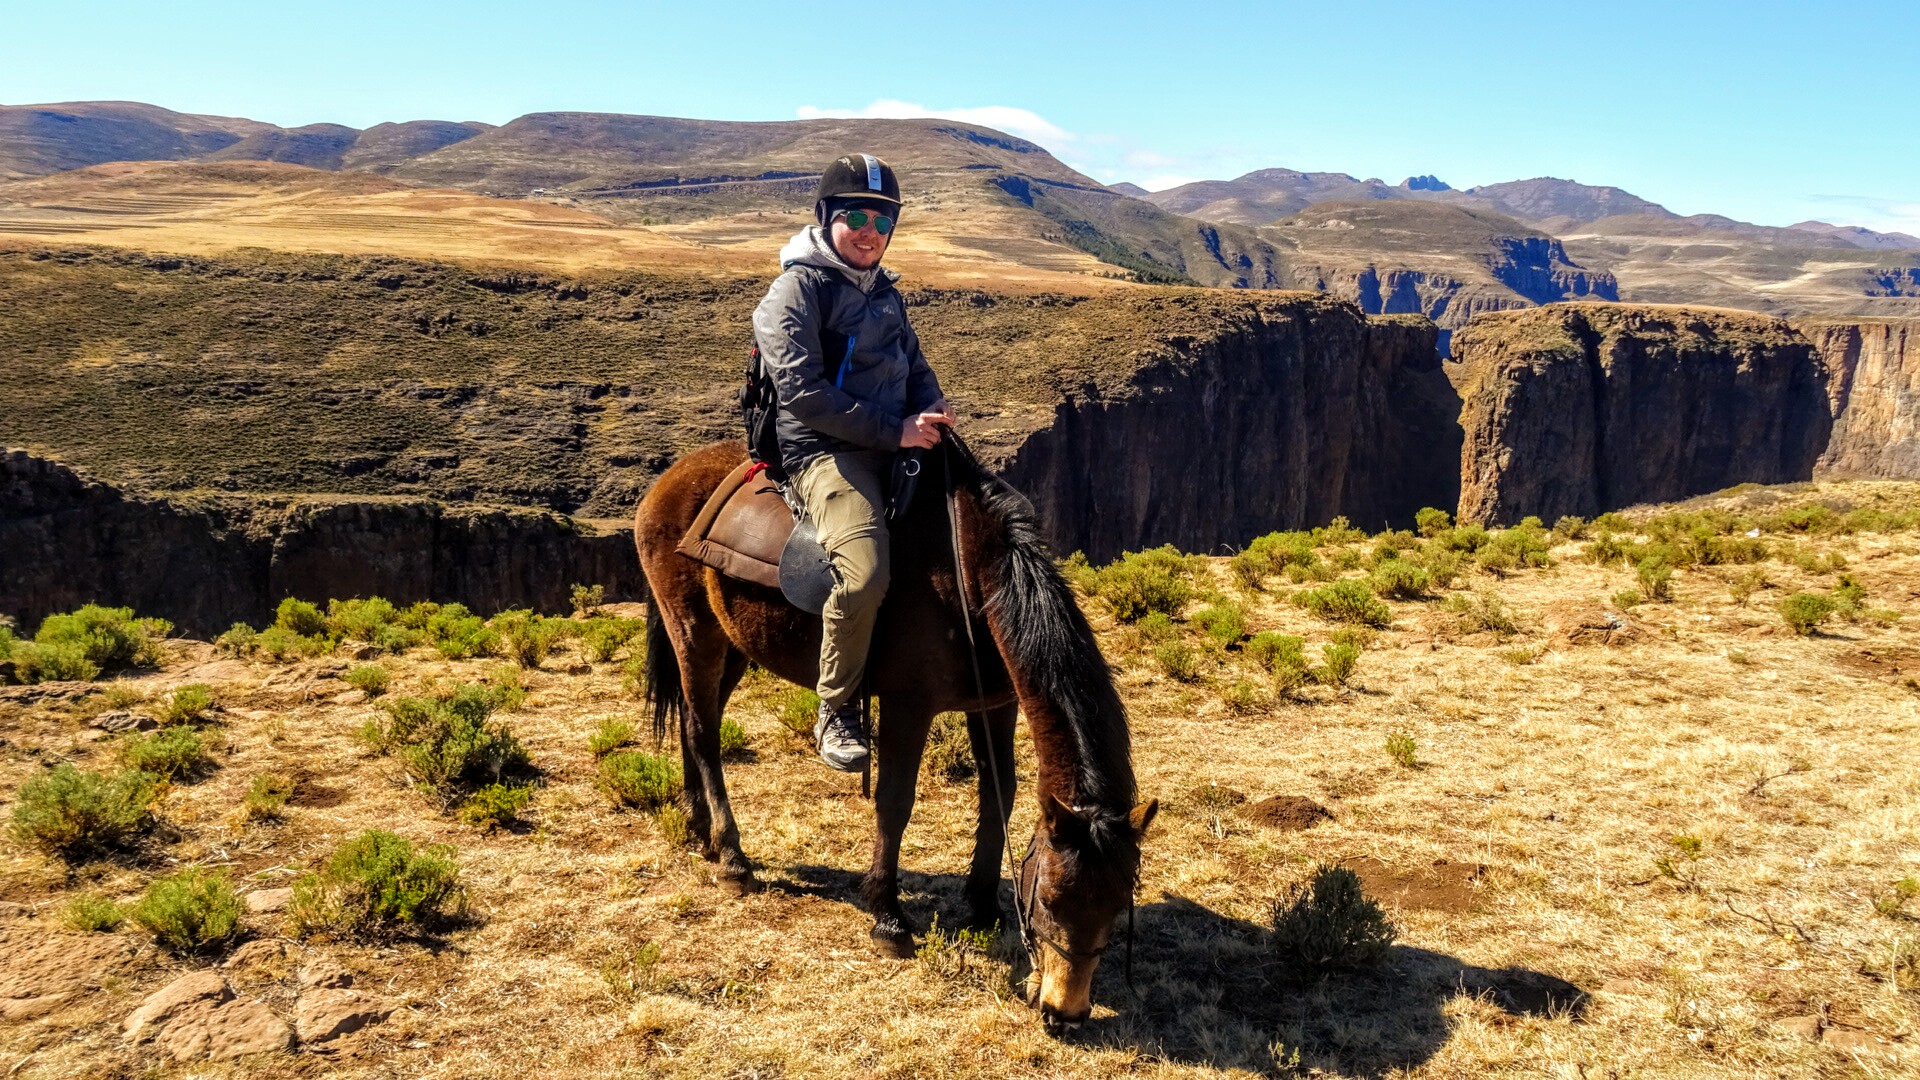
pixel 884 380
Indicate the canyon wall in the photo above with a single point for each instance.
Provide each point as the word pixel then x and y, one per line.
pixel 208 562
pixel 1875 395
pixel 1583 408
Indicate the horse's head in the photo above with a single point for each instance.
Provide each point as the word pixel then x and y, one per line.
pixel 1075 882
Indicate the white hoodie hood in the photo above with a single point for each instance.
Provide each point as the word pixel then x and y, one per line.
pixel 809 247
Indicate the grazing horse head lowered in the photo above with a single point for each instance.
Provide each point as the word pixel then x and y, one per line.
pixel 977 620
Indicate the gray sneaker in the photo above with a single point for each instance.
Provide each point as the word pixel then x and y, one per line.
pixel 843 745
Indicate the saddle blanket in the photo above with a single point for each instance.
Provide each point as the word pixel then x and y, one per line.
pixel 742 529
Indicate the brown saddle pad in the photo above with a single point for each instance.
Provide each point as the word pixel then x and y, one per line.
pixel 742 529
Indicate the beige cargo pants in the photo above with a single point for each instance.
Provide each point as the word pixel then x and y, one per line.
pixel 845 495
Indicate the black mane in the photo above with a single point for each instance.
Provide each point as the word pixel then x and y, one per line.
pixel 1048 639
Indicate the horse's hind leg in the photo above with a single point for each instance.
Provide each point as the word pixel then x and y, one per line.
pixel 710 668
pixel 991 734
pixel 902 738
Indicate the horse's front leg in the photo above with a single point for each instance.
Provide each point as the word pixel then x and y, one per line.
pixel 991 735
pixel 898 744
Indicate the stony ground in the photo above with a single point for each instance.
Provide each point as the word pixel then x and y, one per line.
pixel 1645 842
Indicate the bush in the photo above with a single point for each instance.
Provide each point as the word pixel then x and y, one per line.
pixel 85 643
pixel 1143 581
pixel 496 805
pixel 799 710
pixel 170 753
pixel 642 780
pixel 507 688
pixel 1805 611
pixel 447 745
pixel 586 599
pixel 949 753
pixel 1241 696
pixel 1154 628
pixel 1400 579
pixel 458 634
pixel 240 640
pixel 604 637
pixel 1177 660
pixel 1337 531
pixel 375 882
pixel 1429 521
pixel 1525 545
pixel 612 734
pixel 1465 538
pixel 88 913
pixel 523 637
pixel 278 643
pixel 372 620
pixel 71 811
pixel 733 738
pixel 1338 660
pixel 1401 748
pixel 1284 657
pixel 1628 599
pixel 267 797
pixel 370 679
pixel 1329 923
pixel 124 695
pixel 633 680
pixel 193 910
pixel 1480 611
pixel 1224 623
pixel 1656 578
pixel 187 704
pixel 1571 527
pixel 1349 601
pixel 300 618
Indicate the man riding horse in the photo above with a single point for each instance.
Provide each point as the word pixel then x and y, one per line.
pixel 842 417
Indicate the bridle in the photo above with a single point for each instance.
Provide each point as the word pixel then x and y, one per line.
pixel 1030 939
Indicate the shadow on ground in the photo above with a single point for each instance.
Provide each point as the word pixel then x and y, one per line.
pixel 1207 991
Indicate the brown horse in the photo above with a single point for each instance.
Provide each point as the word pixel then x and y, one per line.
pixel 1033 653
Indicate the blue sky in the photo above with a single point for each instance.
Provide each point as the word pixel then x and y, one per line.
pixel 1764 111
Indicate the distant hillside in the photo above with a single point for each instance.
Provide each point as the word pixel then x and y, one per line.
pixel 39 139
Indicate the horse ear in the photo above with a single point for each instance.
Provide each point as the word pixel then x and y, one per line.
pixel 1142 816
pixel 1056 812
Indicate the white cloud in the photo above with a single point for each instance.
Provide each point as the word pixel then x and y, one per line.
pixel 1168 180
pixel 1015 121
pixel 1880 215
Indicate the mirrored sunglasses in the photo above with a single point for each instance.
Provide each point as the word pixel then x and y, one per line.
pixel 857 219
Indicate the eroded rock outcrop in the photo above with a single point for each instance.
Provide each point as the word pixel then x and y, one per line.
pixel 1293 411
pixel 1875 395
pixel 207 562
pixel 1581 408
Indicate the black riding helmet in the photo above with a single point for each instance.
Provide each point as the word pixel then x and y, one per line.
pixel 854 182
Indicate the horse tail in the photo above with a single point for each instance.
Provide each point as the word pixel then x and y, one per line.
pixel 664 691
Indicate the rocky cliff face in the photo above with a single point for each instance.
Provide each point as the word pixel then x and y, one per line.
pixel 1295 411
pixel 1581 408
pixel 1875 395
pixel 207 563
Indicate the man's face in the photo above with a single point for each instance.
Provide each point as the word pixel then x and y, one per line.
pixel 862 247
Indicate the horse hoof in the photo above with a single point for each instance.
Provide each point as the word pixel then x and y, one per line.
pixel 892 940
pixel 741 884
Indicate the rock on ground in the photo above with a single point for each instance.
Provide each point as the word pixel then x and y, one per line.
pixel 197 1017
pixel 323 1015
pixel 40 971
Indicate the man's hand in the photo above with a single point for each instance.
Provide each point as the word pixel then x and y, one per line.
pixel 923 431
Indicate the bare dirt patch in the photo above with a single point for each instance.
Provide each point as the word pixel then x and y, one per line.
pixel 1287 813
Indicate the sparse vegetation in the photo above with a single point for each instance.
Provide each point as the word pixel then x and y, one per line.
pixel 1481 611
pixel 638 779
pixel 495 805
pixel 267 797
pixel 613 733
pixel 77 812
pixel 603 637
pixel 374 884
pixel 370 679
pixel 1144 581
pixel 189 911
pixel 448 744
pixel 1403 751
pixel 525 638
pixel 187 705
pixel 949 754
pixel 92 913
pixel 1224 623
pixel 170 753
pixel 1177 660
pixel 733 738
pixel 1348 601
pixel 84 643
pixel 1338 659
pixel 799 710
pixel 587 599
pixel 1805 611
pixel 1329 923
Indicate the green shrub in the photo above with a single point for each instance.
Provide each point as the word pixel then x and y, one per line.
pixel 267 797
pixel 300 618
pixel 1749 581
pixel 1429 521
pixel 1143 581
pixel 586 599
pixel 1401 748
pixel 949 753
pixel 71 811
pixel 1442 566
pixel 507 687
pixel 1466 538
pixel 642 780
pixel 36 663
pixel 170 753
pixel 1848 597
pixel 187 704
pixel 1400 579
pixel 417 616
pixel 1338 660
pixel 447 744
pixel 375 883
pixel 1479 611
pixel 733 738
pixel 1337 531
pixel 612 734
pixel 1348 601
pixel 799 710
pixel 90 913
pixel 458 634
pixel 1329 923
pixel 122 694
pixel 1526 545
pixel 1177 659
pixel 1606 549
pixel 1224 623
pixel 1805 611
pixel 1241 696
pixel 523 637
pixel 192 910
pixel 1613 521
pixel 496 805
pixel 370 679
pixel 106 637
pixel 1345 559
pixel 1656 577
pixel 1154 628
pixel 277 643
pixel 1284 657
pixel 1571 527
pixel 604 637
pixel 633 680
pixel 372 620
pixel 1628 599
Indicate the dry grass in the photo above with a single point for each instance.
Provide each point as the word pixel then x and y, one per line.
pixel 1692 829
